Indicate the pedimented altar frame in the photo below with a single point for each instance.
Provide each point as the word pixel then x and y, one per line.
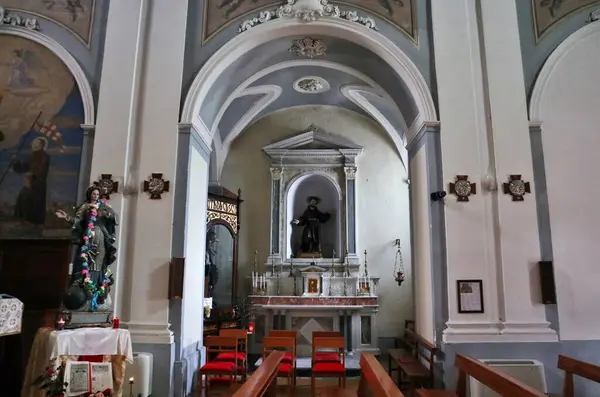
pixel 313 152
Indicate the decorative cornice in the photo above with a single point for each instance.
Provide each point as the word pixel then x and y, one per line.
pixel 9 18
pixel 307 11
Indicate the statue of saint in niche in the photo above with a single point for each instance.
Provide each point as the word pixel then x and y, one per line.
pixel 211 270
pixel 311 219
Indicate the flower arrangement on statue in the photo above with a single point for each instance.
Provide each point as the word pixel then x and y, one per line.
pixel 90 249
pixel 52 381
pixel 207 307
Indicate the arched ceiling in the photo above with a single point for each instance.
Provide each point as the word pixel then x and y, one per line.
pixel 271 77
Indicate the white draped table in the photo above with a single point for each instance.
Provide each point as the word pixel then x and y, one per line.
pixel 85 344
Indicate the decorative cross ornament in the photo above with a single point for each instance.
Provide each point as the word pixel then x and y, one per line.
pixel 516 187
pixel 107 185
pixel 156 186
pixel 463 188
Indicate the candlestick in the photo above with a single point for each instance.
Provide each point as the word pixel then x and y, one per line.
pixel 131 387
pixel 255 265
pixel 347 264
pixel 291 266
pixel 272 264
pixel 332 265
pixel 366 267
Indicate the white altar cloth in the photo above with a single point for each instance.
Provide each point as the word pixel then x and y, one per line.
pixel 91 342
pixel 11 315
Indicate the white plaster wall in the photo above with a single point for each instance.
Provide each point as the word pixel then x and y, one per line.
pixel 382 198
pixel 570 113
pixel 423 283
pixel 195 241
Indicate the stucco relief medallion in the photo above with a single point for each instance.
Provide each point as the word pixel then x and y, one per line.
pixel 516 187
pixel 311 85
pixel 463 188
pixel 156 186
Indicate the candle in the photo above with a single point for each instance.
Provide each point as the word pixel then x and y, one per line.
pixel 131 380
pixel 61 323
pixel 251 327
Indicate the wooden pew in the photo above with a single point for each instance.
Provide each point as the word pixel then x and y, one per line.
pixel 263 381
pixel 416 363
pixel 374 378
pixel 502 384
pixel 574 367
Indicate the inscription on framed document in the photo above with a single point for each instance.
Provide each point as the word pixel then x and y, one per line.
pixel 470 296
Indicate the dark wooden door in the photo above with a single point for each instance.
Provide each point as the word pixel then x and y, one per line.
pixel 35 272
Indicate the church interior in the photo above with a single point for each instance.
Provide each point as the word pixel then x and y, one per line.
pixel 300 197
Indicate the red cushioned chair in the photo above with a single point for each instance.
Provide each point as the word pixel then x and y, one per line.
pixel 287 368
pixel 288 358
pixel 324 356
pixel 216 345
pixel 242 350
pixel 322 369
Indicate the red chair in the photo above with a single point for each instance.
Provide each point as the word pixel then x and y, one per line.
pixel 324 369
pixel 242 350
pixel 216 345
pixel 326 357
pixel 288 358
pixel 287 369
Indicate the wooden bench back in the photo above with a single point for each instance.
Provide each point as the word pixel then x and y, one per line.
pixel 373 377
pixel 573 367
pixel 264 378
pixel 422 350
pixel 502 384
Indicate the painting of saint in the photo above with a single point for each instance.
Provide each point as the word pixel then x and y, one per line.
pixel 75 15
pixel 41 113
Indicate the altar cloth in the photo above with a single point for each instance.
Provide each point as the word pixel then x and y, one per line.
pixel 91 342
pixel 11 315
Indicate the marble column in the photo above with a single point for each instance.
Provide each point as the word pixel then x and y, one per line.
pixel 116 123
pixel 523 315
pixel 470 226
pixel 351 237
pixel 275 255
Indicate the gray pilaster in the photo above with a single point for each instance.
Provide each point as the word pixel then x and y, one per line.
pixel 350 173
pixel 85 164
pixel 276 173
pixel 428 139
pixel 186 357
pixel 543 210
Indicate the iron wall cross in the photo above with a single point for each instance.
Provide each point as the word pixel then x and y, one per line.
pixel 156 186
pixel 463 188
pixel 516 187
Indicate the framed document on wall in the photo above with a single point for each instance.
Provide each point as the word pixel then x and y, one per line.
pixel 470 296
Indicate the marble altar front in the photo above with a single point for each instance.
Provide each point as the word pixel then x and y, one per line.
pixel 354 314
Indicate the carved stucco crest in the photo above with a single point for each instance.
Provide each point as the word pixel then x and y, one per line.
pixel 9 18
pixel 307 11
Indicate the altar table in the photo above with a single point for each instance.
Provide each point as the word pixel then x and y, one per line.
pixel 84 344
